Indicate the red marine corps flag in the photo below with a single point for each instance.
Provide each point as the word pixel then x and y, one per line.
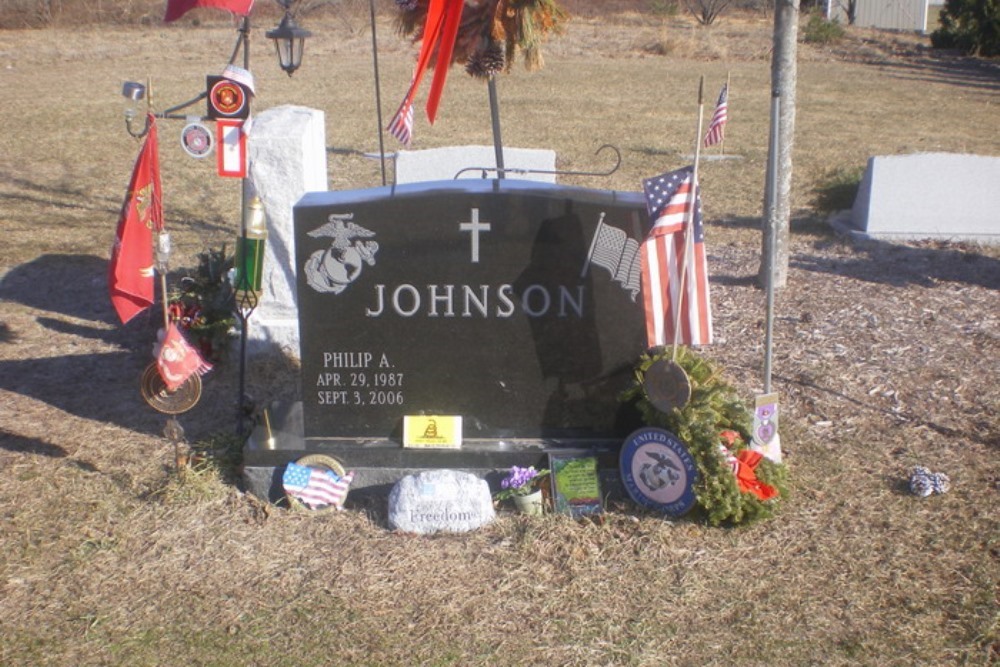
pixel 130 273
pixel 178 8
pixel 177 360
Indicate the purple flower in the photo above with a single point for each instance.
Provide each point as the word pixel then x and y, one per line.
pixel 520 481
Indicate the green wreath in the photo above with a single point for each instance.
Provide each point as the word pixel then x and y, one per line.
pixel 714 408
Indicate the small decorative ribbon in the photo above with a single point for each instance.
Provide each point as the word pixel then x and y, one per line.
pixel 443 20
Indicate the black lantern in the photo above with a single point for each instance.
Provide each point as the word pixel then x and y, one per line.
pixel 289 41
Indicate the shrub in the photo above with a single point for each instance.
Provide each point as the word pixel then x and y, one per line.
pixel 664 7
pixel 706 11
pixel 822 31
pixel 203 303
pixel 972 26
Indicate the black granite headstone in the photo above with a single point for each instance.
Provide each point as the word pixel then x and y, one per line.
pixel 476 300
pixel 513 304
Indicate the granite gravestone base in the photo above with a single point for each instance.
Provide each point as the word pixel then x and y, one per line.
pixel 512 304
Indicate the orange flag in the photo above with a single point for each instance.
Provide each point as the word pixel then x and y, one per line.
pixel 130 273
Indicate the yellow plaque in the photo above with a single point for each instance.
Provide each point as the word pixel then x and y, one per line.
pixel 432 431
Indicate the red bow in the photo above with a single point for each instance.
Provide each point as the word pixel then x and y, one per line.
pixel 440 32
pixel 744 465
pixel 747 478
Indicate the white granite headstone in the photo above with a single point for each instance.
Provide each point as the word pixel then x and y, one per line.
pixel 443 164
pixel 946 196
pixel 435 501
pixel 287 146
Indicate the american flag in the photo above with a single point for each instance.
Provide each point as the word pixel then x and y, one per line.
pixel 669 199
pixel 401 125
pixel 716 129
pixel 316 487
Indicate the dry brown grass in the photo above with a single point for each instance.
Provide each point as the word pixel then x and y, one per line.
pixel 886 357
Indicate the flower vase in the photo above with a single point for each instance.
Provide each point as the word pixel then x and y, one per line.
pixel 530 504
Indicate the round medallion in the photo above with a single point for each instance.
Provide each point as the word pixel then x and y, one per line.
pixel 196 140
pixel 658 471
pixel 667 385
pixel 227 98
pixel 155 391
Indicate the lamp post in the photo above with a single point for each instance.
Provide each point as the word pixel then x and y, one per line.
pixel 289 40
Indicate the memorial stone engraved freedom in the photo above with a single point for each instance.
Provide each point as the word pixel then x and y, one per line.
pixel 511 304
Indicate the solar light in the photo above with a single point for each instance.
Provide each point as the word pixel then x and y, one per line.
pixel 134 93
pixel 289 42
pixel 250 249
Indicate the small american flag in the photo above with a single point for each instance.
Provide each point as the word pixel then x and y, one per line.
pixel 315 487
pixel 716 129
pixel 669 199
pixel 401 125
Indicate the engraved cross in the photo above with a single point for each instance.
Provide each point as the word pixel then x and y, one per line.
pixel 474 227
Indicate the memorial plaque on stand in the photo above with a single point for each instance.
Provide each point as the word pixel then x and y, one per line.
pixel 509 303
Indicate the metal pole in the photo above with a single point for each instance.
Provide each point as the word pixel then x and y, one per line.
pixel 242 311
pixel 495 118
pixel 771 231
pixel 378 93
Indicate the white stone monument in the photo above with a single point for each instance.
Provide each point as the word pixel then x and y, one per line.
pixel 944 196
pixel 443 164
pixel 287 147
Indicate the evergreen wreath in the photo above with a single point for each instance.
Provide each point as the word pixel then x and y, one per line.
pixel 713 409
pixel 491 32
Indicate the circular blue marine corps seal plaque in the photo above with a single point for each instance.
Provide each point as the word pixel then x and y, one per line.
pixel 658 471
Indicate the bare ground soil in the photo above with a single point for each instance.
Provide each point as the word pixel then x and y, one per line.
pixel 886 357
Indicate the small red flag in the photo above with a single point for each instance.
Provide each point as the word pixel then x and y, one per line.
pixel 130 272
pixel 177 360
pixel 178 8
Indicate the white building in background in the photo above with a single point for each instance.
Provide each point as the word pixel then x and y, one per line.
pixel 910 15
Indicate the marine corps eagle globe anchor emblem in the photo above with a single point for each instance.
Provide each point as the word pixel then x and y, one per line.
pixel 333 269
